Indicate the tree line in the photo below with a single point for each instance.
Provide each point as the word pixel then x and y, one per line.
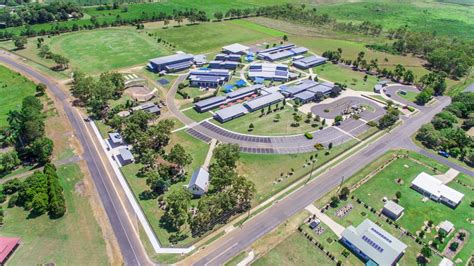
pixel 229 194
pixel 39 193
pixel 31 14
pixel 448 129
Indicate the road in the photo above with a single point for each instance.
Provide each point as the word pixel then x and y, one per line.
pixel 128 240
pixel 236 241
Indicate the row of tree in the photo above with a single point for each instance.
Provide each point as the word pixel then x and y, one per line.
pixel 447 130
pixel 37 14
pixel 39 193
pixel 26 131
pixel 96 93
pixel 229 193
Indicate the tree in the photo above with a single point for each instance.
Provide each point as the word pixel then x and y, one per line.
pixel 398 194
pixel 179 156
pixel 44 51
pixel 426 251
pixel 218 15
pixel 8 161
pixel 61 61
pixel 424 96
pixel 176 213
pixel 334 201
pixel 40 88
pixel 338 119
pixel 408 77
pixel 42 149
pixel 20 42
pixel 251 126
pixel 399 72
pixel 344 192
pixel 285 38
pixel 227 155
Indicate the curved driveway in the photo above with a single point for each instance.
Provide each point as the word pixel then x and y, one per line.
pixel 263 144
pixel 393 91
pixel 337 107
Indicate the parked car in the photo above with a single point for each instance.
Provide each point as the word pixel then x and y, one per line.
pixel 444 154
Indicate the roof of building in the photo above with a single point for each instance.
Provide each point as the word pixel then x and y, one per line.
pixel 378 87
pixel 310 60
pixel 435 187
pixel 276 48
pixel 376 243
pixel 215 62
pixel 210 101
pixel 446 226
pixel 200 179
pixel 267 70
pixel 282 51
pixel 264 100
pixel 305 95
pixel 210 72
pixel 125 154
pixel 200 59
pixel 171 58
pixel 235 48
pixel 393 207
pixel 320 88
pixel 143 106
pixel 7 245
pixel 115 137
pixel 154 109
pixel 446 262
pixel 231 111
pixel 302 86
pixel 243 91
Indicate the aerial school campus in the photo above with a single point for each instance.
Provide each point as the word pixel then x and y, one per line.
pixel 246 140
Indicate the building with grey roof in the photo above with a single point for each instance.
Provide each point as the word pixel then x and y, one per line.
pixel 301 86
pixel 217 64
pixel 200 60
pixel 305 97
pixel 266 71
pixel 264 101
pixel 148 107
pixel 228 57
pixel 446 226
pixel 235 48
pixel 392 210
pixel 325 90
pixel 209 103
pixel 230 113
pixel 469 88
pixel 125 156
pixel 171 63
pixel 208 78
pixel 309 62
pixel 281 52
pixel 373 244
pixel 433 188
pixel 199 183
pixel 244 92
pixel 115 138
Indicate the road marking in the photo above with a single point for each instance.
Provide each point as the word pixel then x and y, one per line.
pixel 179 129
pixel 229 248
pixel 347 133
pixel 185 109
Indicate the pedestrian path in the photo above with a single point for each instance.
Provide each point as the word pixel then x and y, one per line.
pixel 334 226
pixel 448 176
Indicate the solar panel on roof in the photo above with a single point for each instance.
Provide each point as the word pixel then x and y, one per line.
pixel 381 235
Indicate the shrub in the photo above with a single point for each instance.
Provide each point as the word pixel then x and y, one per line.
pixel 454 246
pixel 372 124
pixel 326 110
pixel 308 135
pixel 319 146
pixel 410 108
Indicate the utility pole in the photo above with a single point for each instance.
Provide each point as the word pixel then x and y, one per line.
pixel 310 173
pixel 340 185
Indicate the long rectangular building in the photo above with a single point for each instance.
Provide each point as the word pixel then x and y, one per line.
pixel 209 78
pixel 309 62
pixel 230 113
pixel 217 64
pixel 171 63
pixel 275 72
pixel 281 52
pixel 210 103
pixel 264 101
pixel 435 189
pixel 244 92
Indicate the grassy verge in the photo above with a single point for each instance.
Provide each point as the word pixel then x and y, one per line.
pixel 353 79
pixel 196 116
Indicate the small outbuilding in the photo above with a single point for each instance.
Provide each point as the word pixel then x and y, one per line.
pixel 446 262
pixel 125 156
pixel 115 138
pixel 392 210
pixel 8 245
pixel 199 183
pixel 446 226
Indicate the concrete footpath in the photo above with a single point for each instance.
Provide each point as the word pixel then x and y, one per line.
pixel 335 227
pixel 133 201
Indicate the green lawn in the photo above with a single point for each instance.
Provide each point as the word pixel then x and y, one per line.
pixel 416 211
pixel 208 37
pixel 353 79
pixel 102 50
pixel 294 250
pixel 257 27
pixel 196 116
pixel 265 178
pixel 73 239
pixel 409 96
pixel 13 88
pixel 266 125
pixel 198 150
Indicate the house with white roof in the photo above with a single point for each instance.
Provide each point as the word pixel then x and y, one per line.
pixel 235 48
pixel 199 183
pixel 434 188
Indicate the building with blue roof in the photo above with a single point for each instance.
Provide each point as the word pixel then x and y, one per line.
pixel 281 52
pixel 171 63
pixel 208 78
pixel 309 62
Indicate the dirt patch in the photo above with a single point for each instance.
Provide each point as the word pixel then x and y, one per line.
pixel 80 188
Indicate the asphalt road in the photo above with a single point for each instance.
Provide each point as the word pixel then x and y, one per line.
pixel 239 239
pixel 129 243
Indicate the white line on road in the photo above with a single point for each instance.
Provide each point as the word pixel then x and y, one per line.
pixel 347 133
pixel 229 248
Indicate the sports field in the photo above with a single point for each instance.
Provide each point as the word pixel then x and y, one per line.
pixel 209 37
pixel 74 239
pixel 101 50
pixel 13 88
pixel 344 75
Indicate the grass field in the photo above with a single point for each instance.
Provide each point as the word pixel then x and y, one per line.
pixel 353 79
pixel 13 88
pixel 208 37
pixel 198 150
pixel 265 125
pixel 101 50
pixel 294 250
pixel 73 239
pixel 196 116
pixel 409 96
pixel 444 19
